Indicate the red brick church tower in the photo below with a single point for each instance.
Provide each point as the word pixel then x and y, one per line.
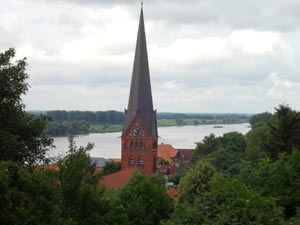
pixel 139 136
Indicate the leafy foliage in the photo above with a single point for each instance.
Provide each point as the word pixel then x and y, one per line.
pixel 21 135
pixel 67 128
pixel 279 179
pixel 226 152
pixel 27 196
pixel 111 167
pixel 260 118
pixel 196 182
pixel 285 132
pixel 256 137
pixel 144 199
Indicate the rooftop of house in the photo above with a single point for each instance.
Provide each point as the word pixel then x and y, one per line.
pixel 116 160
pixel 186 153
pixel 54 166
pixel 116 180
pixel 166 152
pixel 173 193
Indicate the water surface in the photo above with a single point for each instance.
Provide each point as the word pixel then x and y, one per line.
pixel 108 145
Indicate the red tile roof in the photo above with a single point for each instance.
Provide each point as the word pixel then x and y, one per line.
pixel 116 160
pixel 173 193
pixel 118 179
pixel 166 152
pixel 48 167
pixel 186 153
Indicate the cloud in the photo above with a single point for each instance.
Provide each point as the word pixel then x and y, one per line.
pixel 204 56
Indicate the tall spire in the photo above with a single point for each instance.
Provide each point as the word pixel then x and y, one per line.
pixel 140 98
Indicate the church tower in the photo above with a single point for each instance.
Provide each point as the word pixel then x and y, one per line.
pixel 139 136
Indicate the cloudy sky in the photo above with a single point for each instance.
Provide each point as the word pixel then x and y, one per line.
pixel 204 55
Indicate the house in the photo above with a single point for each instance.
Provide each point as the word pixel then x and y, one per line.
pixel 172 158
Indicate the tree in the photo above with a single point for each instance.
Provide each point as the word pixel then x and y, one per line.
pixel 27 196
pixel 209 144
pixel 21 135
pixel 144 199
pixel 82 200
pixel 196 182
pixel 226 152
pixel 230 201
pixel 111 167
pixel 256 137
pixel 285 132
pixel 278 179
pixel 260 118
pixel 221 199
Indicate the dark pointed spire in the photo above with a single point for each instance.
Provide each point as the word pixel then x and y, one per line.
pixel 140 97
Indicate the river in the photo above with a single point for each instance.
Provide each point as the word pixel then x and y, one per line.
pixel 108 145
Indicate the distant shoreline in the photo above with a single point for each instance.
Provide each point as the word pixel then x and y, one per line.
pixel 113 128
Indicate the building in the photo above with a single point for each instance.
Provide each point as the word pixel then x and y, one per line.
pixel 139 135
pixel 173 158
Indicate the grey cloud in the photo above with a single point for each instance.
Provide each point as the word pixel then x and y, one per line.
pixel 270 14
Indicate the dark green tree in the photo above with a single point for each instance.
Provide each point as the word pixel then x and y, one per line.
pixel 21 135
pixel 278 179
pixel 225 152
pixel 213 198
pixel 230 201
pixel 209 144
pixel 144 199
pixel 196 182
pixel 83 201
pixel 27 196
pixel 260 118
pixel 111 167
pixel 285 132
pixel 256 137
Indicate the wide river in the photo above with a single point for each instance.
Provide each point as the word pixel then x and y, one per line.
pixel 108 145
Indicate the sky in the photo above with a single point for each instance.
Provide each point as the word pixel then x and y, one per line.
pixel 205 56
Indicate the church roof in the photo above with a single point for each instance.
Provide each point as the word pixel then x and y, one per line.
pixel 118 179
pixel 140 103
pixel 140 97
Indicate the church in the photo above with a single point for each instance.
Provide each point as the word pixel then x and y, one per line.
pixel 139 145
pixel 139 135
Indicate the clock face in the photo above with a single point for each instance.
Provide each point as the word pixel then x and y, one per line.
pixel 137 131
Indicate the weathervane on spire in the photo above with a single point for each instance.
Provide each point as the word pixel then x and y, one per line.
pixel 142 3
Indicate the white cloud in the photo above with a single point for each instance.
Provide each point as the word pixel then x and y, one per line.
pixel 203 57
pixel 187 51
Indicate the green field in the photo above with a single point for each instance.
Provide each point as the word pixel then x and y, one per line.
pixel 107 128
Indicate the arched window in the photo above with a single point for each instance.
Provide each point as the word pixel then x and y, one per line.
pixel 135 144
pixel 141 144
pixel 131 161
pixel 131 144
pixel 141 161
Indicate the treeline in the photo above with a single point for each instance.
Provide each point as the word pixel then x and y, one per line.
pixel 203 116
pixel 63 128
pixel 115 117
pixel 101 117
